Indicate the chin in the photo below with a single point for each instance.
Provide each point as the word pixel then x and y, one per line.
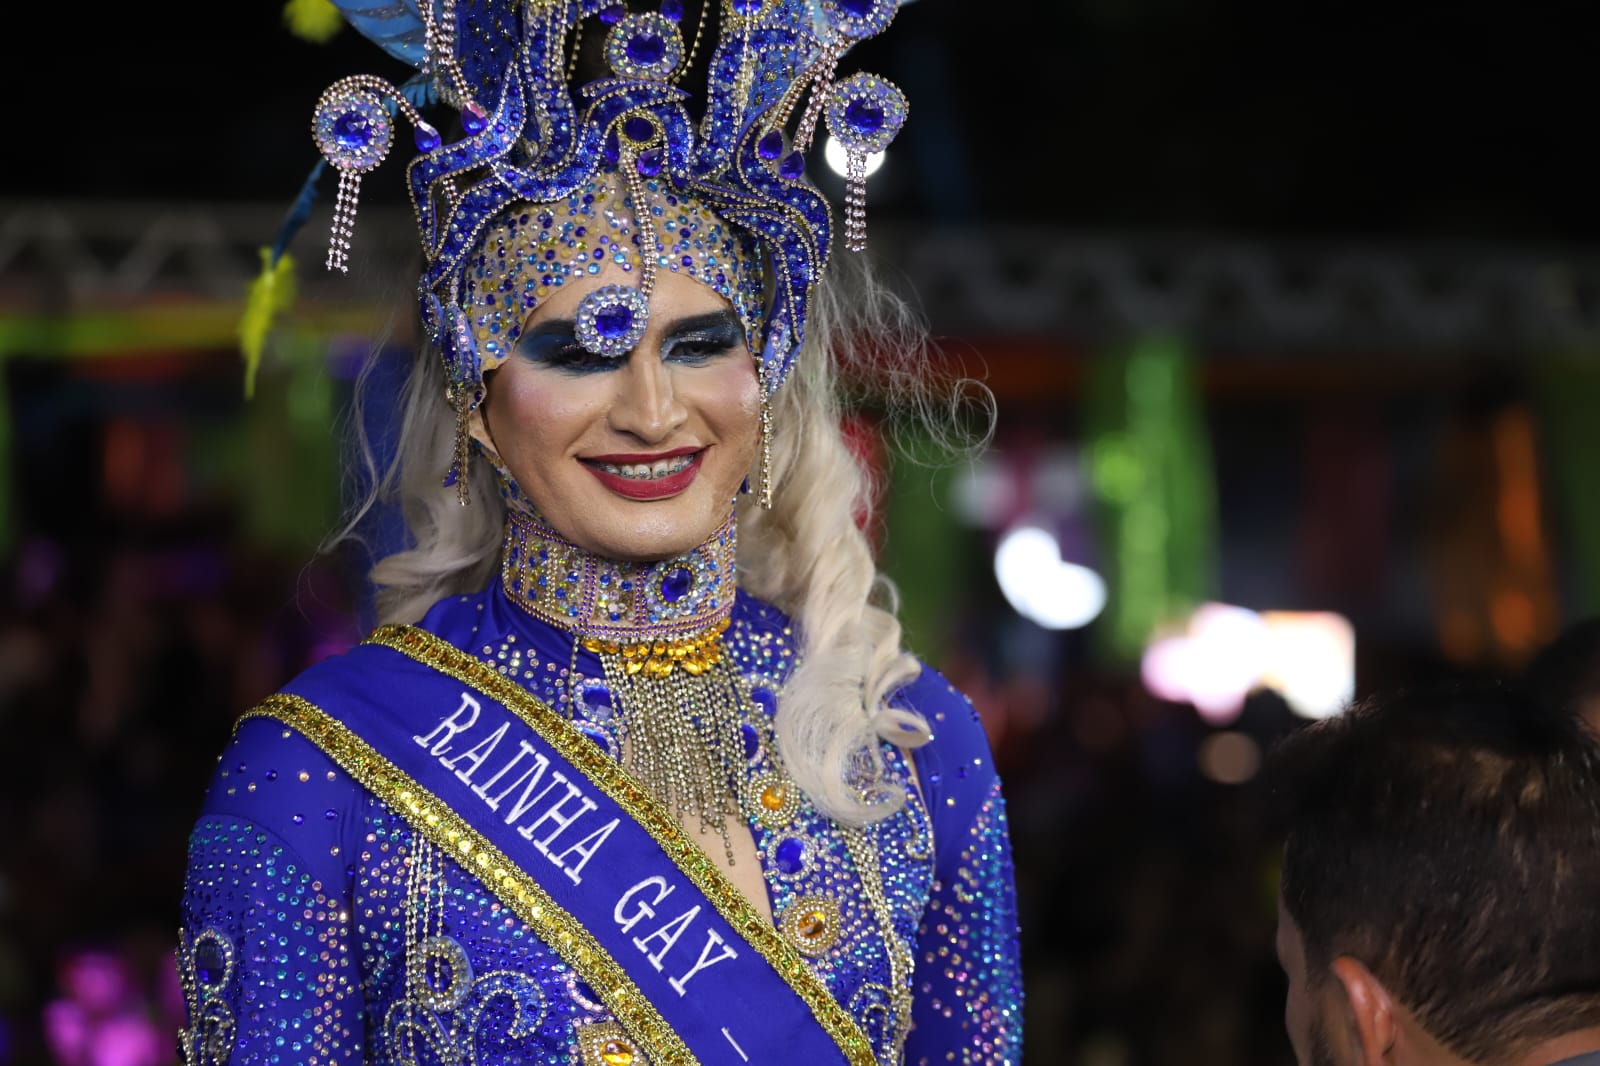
pixel 646 532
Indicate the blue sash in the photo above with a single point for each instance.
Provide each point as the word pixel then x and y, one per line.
pixel 600 870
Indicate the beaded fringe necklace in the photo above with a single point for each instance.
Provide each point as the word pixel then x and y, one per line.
pixel 657 630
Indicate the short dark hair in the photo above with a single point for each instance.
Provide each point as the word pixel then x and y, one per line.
pixel 1449 840
pixel 1566 673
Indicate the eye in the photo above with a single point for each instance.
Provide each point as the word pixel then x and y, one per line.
pixel 702 347
pixel 563 352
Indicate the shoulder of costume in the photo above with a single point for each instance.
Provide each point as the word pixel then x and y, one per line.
pixel 755 613
pixel 956 768
pixel 272 780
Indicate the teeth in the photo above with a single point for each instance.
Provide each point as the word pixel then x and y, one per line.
pixel 649 471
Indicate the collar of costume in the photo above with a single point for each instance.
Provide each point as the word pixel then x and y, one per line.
pixel 665 614
pixel 533 135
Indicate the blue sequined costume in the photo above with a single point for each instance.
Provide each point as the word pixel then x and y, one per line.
pixel 296 909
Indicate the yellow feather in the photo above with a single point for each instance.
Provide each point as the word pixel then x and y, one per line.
pixel 315 20
pixel 271 294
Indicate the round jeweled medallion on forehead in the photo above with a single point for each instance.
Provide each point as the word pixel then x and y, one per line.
pixel 611 319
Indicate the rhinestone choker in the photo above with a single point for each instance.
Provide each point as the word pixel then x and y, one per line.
pixel 684 601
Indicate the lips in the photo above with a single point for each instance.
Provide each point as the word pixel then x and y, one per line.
pixel 647 477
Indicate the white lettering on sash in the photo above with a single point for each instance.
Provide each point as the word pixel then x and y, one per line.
pixel 524 748
pixel 525 802
pixel 669 935
pixel 554 814
pixel 476 754
pixel 645 909
pixel 585 849
pixel 713 940
pixel 448 725
pixel 561 802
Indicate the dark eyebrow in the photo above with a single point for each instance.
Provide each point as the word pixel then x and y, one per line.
pixel 711 320
pixel 553 327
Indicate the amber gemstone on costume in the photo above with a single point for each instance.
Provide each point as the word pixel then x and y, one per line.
pixel 616 1053
pixel 773 797
pixel 813 924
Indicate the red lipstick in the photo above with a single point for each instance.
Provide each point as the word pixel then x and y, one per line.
pixel 647 488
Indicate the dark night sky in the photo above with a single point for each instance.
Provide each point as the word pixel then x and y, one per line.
pixel 1364 119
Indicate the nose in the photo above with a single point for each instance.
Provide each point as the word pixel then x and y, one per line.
pixel 646 405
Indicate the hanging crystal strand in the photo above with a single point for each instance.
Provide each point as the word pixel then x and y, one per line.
pixel 694 48
pixel 746 77
pixel 419 885
pixel 764 488
pixel 354 129
pixel 429 40
pixel 855 201
pixel 820 83
pixel 465 399
pixel 681 736
pixel 577 47
pixel 650 249
pixel 344 221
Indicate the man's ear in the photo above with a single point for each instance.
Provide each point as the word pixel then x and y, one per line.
pixel 1369 1008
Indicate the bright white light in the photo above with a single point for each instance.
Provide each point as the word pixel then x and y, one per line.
pixel 1213 666
pixel 1313 661
pixel 1227 645
pixel 839 159
pixel 1226 652
pixel 1041 586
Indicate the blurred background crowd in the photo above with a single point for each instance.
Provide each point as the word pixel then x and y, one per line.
pixel 1291 314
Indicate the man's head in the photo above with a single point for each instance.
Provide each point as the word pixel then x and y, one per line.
pixel 1566 674
pixel 1440 900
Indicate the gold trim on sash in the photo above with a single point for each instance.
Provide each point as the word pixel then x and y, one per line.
pixel 652 816
pixel 449 832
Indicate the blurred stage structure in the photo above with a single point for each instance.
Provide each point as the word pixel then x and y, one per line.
pixel 1227 295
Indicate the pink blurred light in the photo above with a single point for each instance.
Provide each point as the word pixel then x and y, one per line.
pixel 96 980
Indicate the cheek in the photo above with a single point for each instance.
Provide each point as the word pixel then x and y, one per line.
pixel 733 402
pixel 530 414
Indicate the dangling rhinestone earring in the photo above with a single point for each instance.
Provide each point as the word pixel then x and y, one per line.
pixel 863 114
pixel 465 399
pixel 353 130
pixel 764 483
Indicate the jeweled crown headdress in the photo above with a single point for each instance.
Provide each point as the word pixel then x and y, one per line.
pixel 534 136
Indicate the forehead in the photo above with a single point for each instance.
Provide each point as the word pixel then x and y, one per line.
pixel 538 254
pixel 673 296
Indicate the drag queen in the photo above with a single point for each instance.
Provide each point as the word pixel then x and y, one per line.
pixel 636 770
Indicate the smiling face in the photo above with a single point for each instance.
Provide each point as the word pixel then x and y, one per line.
pixel 635 458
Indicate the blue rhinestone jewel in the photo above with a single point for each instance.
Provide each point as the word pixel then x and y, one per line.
pixel 676 584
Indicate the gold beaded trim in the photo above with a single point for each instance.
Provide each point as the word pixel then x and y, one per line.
pixel 609 776
pixel 605 1044
pixel 695 654
pixel 450 833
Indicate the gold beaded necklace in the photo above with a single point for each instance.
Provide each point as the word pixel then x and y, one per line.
pixel 657 629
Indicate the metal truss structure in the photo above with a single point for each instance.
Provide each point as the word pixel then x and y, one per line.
pixel 1229 296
